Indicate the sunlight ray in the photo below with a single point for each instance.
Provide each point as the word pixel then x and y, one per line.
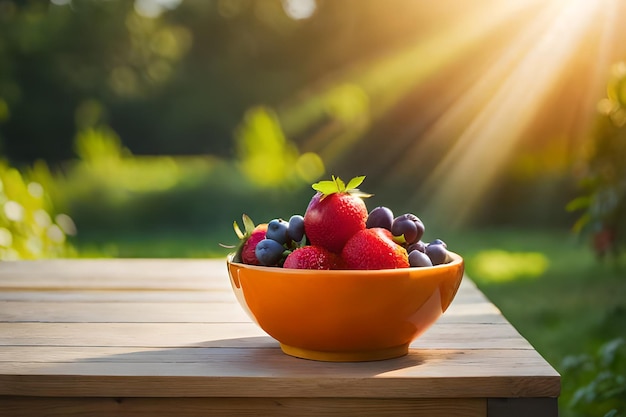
pixel 387 80
pixel 462 178
pixel 467 107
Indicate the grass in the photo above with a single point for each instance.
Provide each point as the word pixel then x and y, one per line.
pixel 546 283
pixel 570 307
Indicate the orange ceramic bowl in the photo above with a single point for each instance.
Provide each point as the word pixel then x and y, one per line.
pixel 345 315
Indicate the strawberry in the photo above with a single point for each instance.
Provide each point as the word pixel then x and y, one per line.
pixel 335 213
pixel 247 240
pixel 374 249
pixel 313 257
pixel 247 251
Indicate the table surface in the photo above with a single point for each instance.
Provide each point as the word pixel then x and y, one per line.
pixel 101 336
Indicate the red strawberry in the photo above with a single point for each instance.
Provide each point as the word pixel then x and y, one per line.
pixel 374 249
pixel 247 251
pixel 335 213
pixel 313 257
pixel 248 240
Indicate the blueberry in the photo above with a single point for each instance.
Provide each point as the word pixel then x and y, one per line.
pixel 277 231
pixel 438 242
pixel 420 246
pixel 268 252
pixel 408 225
pixel 380 217
pixel 295 231
pixel 437 253
pixel 419 259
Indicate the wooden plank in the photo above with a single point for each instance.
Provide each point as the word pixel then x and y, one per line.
pixel 472 312
pixel 114 274
pixel 270 407
pixel 180 312
pixel 112 296
pixel 121 312
pixel 423 373
pixel 440 336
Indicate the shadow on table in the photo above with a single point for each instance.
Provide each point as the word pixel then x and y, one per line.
pixel 245 356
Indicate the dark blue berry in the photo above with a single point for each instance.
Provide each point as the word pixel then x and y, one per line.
pixel 277 230
pixel 419 259
pixel 295 230
pixel 380 217
pixel 437 253
pixel 269 252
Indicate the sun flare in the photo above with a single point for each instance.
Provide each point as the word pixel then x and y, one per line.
pixel 498 76
pixel 478 155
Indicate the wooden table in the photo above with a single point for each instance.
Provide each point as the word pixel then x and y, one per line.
pixel 166 337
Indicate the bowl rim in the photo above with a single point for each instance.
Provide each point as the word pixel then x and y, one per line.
pixel 456 260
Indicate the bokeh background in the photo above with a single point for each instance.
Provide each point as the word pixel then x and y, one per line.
pixel 145 128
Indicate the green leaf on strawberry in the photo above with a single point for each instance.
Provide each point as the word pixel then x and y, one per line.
pixel 336 185
pixel 238 231
pixel 248 225
pixel 355 182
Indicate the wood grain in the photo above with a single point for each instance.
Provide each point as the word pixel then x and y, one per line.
pixel 106 274
pixel 181 312
pixel 441 336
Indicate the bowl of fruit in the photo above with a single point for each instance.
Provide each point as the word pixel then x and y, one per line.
pixel 340 283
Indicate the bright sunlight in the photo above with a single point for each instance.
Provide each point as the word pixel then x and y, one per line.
pixel 536 65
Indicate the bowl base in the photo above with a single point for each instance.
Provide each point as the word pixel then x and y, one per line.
pixel 348 356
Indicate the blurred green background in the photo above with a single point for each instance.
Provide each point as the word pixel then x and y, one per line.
pixel 145 128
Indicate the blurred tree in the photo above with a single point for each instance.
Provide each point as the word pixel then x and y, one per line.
pixel 60 60
pixel 175 79
pixel 604 183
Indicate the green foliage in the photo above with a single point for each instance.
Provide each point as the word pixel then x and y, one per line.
pixel 603 199
pixel 601 379
pixel 174 82
pixel 109 190
pixel 85 52
pixel 29 228
pixel 267 158
pixel 105 162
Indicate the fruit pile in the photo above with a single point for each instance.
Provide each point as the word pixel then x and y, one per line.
pixel 337 232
